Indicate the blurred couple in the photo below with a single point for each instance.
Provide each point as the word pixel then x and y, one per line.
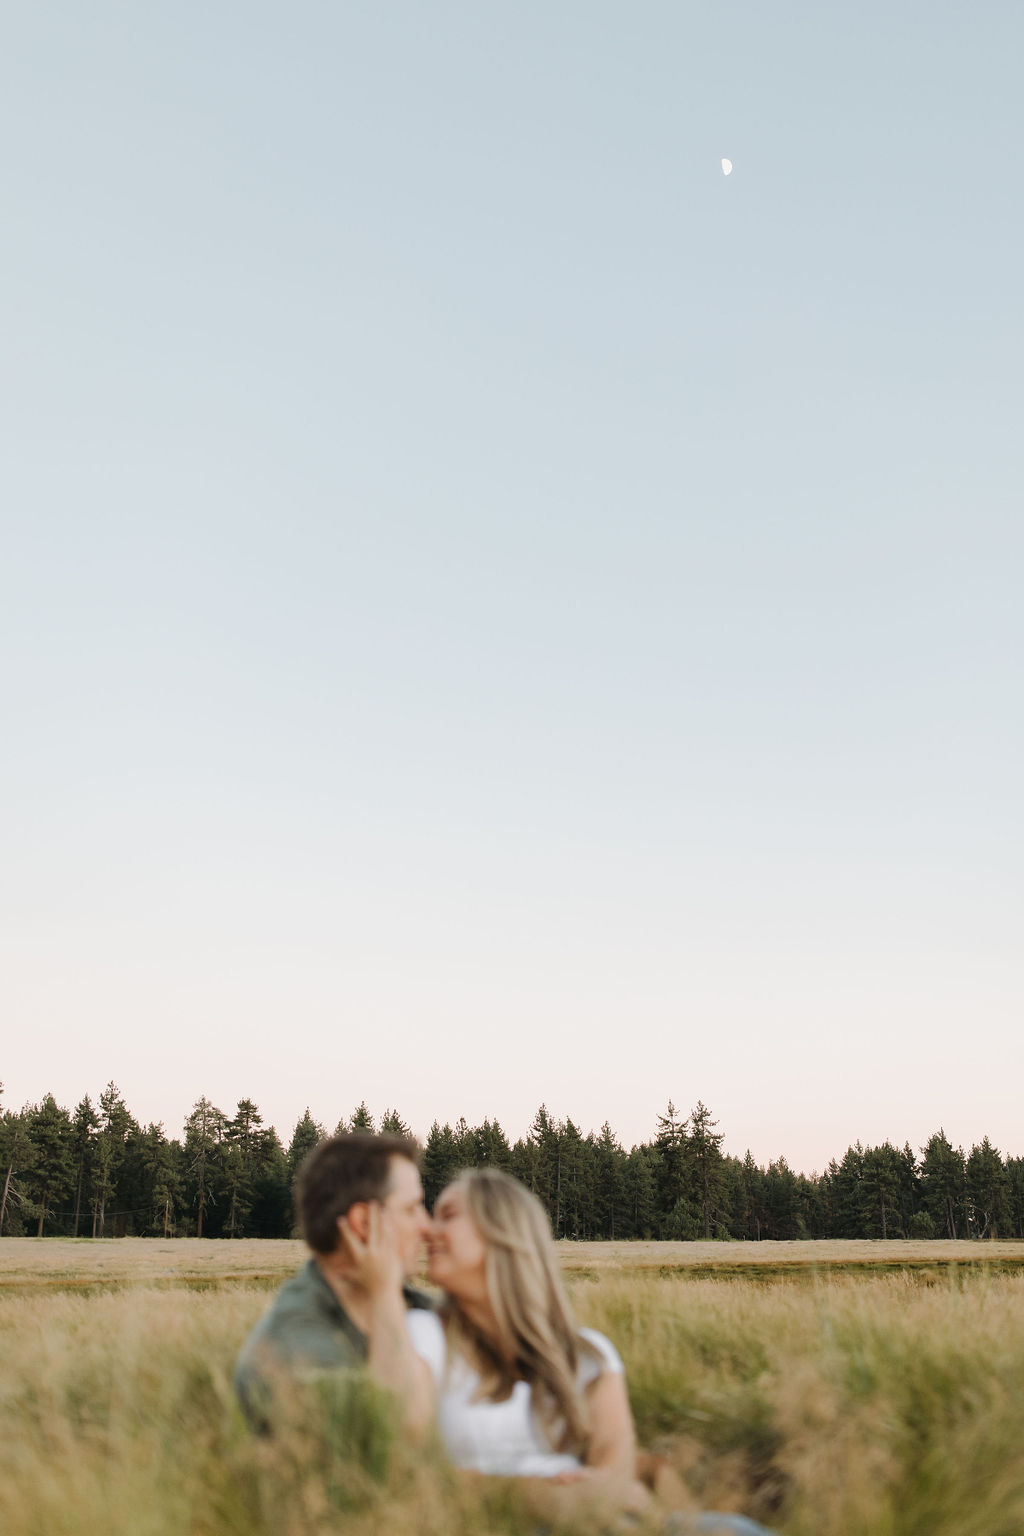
pixel 497 1368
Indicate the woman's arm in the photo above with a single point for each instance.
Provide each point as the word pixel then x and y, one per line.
pixel 612 1444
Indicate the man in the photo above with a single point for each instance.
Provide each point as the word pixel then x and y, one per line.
pixel 356 1194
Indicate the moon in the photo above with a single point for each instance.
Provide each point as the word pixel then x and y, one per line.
pixel 726 167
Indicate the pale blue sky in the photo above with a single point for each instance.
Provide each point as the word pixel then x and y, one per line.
pixel 494 610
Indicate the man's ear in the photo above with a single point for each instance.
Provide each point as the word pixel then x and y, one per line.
pixel 358 1218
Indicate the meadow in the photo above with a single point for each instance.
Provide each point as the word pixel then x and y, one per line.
pixel 822 1388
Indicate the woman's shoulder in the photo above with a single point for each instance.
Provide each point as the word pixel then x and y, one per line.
pixel 598 1357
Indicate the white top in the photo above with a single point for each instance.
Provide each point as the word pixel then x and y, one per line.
pixel 503 1439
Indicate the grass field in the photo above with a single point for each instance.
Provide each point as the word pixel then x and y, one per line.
pixel 824 1388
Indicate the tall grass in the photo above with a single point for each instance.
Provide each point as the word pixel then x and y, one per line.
pixel 887 1405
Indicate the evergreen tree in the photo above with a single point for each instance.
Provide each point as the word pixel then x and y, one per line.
pixel 271 1212
pixel 752 1185
pixel 812 1205
pixel 16 1152
pixel 848 1198
pixel 704 1154
pixel 465 1144
pixel 440 1161
pixel 243 1145
pixel 880 1192
pixel 577 1186
pixel 988 1189
pixel 393 1124
pixel 116 1126
pixel 545 1134
pixel 673 1188
pixel 784 1218
pixel 642 1191
pixel 85 1123
pixel 308 1133
pixel 492 1148
pixel 204 1163
pixel 361 1120
pixel 1015 1195
pixel 50 1178
pixel 910 1186
pixel 944 1185
pixel 524 1162
pixel 611 1203
pixel 161 1179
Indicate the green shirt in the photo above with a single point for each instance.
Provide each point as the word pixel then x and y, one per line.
pixel 306 1332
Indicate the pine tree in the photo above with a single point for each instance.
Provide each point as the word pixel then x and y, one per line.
pixel 85 1123
pixel 1015 1196
pixel 880 1192
pixel 361 1120
pixel 910 1186
pixel 307 1134
pixel 271 1213
pixel 784 1218
pixel 524 1162
pixel 440 1162
pixel 161 1178
pixel 116 1126
pixel 392 1124
pixel 243 1138
pixel 944 1184
pixel 491 1146
pixel 988 1189
pixel 641 1191
pixel 546 1135
pixel 752 1183
pixel 16 1152
pixel 848 1198
pixel 674 1190
pixel 465 1144
pixel 704 1154
pixel 51 1176
pixel 611 1203
pixel 577 1203
pixel 204 1135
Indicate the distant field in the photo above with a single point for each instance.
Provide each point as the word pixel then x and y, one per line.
pixel 28 1263
pixel 832 1389
pixel 65 1262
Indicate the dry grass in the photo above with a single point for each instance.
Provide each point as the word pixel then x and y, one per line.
pixel 789 1257
pixel 26 1263
pixel 67 1263
pixel 850 1403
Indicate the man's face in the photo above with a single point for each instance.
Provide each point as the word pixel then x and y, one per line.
pixel 406 1212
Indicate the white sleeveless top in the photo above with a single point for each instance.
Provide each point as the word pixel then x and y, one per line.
pixel 503 1439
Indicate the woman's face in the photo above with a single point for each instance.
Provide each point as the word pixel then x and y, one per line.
pixel 457 1252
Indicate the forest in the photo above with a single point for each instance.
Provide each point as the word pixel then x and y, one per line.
pixel 95 1171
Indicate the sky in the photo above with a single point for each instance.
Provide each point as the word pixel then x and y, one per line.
pixel 493 610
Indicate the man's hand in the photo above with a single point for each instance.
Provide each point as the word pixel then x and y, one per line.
pixel 374 1261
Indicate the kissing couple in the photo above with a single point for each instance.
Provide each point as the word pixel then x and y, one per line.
pixel 497 1368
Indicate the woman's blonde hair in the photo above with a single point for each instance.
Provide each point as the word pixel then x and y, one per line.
pixel 537 1337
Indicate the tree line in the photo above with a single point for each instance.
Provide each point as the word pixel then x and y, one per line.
pixel 95 1171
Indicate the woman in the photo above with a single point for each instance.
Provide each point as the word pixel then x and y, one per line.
pixel 521 1391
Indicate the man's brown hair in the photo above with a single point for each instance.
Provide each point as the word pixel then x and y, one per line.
pixel 338 1174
